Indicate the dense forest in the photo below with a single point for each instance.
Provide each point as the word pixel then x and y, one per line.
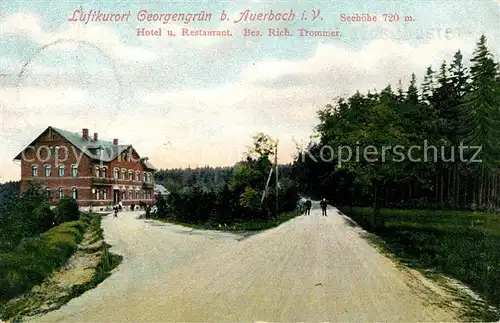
pixel 231 194
pixel 175 180
pixel 456 104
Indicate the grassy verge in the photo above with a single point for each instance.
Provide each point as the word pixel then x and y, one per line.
pixel 82 270
pixel 462 245
pixel 107 262
pixel 256 225
pixel 36 258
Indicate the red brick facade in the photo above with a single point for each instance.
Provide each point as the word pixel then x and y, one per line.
pixel 91 181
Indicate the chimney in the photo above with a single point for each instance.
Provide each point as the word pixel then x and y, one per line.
pixel 115 141
pixel 95 136
pixel 85 133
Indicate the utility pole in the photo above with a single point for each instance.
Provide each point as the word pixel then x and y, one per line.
pixel 264 194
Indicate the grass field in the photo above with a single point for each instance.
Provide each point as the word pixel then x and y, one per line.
pixel 463 245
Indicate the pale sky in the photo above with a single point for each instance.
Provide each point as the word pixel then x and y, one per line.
pixel 195 101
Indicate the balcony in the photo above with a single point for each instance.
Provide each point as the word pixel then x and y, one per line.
pixel 102 181
pixel 147 185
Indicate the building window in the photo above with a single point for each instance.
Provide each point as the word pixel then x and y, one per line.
pixel 48 192
pixel 74 170
pixel 34 171
pixel 104 172
pixel 97 171
pixel 137 176
pixel 124 174
pixel 61 193
pixel 136 195
pixel 61 170
pixel 104 194
pixel 74 193
pixel 115 173
pixel 130 196
pixel 56 151
pixel 47 170
pixel 124 196
pixel 130 175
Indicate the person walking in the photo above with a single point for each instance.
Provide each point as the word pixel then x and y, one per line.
pixel 300 206
pixel 115 211
pixel 308 205
pixel 323 205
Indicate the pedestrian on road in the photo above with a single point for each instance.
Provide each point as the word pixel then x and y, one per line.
pixel 300 206
pixel 323 205
pixel 308 205
pixel 115 211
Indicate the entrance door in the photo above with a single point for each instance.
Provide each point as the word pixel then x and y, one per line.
pixel 116 196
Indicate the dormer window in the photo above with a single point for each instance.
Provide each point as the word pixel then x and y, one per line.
pixel 137 176
pixel 116 173
pixel 97 171
pixel 74 170
pixel 104 172
pixel 124 174
pixel 61 170
pixel 130 175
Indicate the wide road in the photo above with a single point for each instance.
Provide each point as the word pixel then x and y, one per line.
pixel 312 268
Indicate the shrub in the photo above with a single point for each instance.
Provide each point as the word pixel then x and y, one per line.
pixel 67 211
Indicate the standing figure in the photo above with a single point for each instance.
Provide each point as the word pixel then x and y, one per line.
pixel 323 205
pixel 115 211
pixel 300 206
pixel 308 205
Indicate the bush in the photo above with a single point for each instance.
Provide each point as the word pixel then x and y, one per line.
pixel 27 216
pixel 67 211
pixel 44 216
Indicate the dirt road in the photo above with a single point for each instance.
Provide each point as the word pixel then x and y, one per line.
pixel 312 268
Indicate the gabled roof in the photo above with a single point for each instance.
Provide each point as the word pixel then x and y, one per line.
pixel 100 149
pixel 149 165
pixel 96 149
